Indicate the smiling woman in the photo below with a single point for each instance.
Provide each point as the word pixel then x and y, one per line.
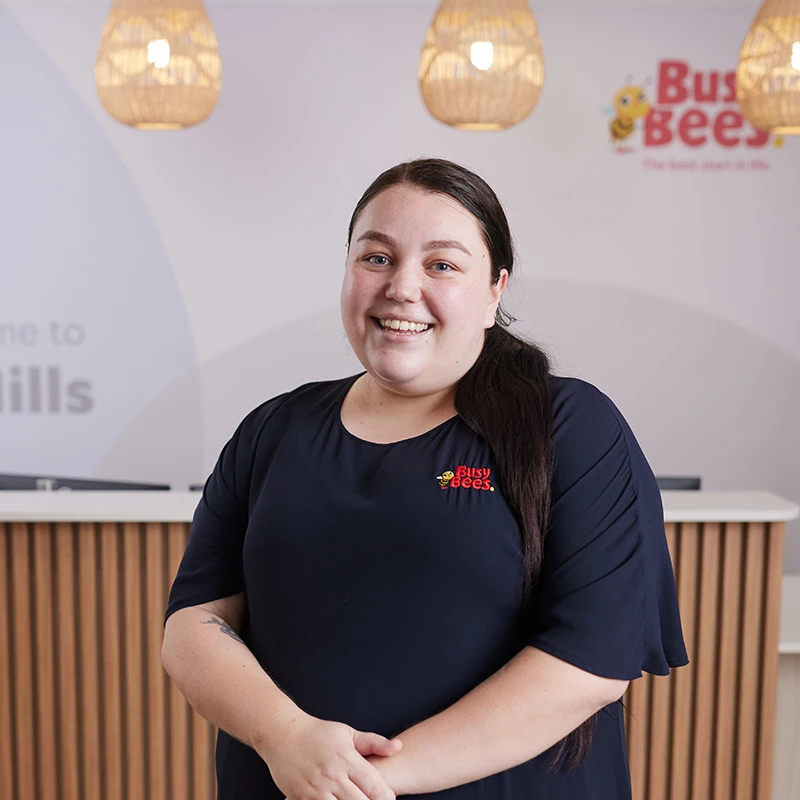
pixel 455 548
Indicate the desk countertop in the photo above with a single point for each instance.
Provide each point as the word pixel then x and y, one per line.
pixel 80 506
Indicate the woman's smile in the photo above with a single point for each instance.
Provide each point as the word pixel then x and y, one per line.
pixel 393 329
pixel 402 325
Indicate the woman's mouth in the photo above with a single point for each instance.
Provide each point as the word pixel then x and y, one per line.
pixel 402 325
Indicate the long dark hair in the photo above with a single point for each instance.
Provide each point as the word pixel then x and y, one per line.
pixel 505 396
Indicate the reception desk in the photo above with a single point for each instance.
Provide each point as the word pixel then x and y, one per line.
pixel 87 713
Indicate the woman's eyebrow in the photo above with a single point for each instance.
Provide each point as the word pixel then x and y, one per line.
pixel 446 244
pixel 377 236
pixel 435 244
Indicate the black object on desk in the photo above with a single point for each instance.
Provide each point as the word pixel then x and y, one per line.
pixel 669 483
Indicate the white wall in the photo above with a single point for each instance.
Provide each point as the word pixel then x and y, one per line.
pixel 202 268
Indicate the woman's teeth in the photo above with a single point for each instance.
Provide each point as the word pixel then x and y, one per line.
pixel 403 325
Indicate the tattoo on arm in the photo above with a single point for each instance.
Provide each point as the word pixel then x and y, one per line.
pixel 225 628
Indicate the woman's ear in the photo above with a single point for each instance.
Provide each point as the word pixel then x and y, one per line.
pixel 496 292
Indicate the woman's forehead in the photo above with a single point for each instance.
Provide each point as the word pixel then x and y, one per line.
pixel 409 212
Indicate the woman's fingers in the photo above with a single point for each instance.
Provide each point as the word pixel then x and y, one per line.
pixel 367 784
pixel 373 744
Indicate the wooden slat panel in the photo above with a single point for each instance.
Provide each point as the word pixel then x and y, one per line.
pixel 706 655
pixel 750 658
pixel 133 682
pixel 113 721
pixel 46 742
pixel 156 678
pixel 91 755
pixel 769 651
pixel 726 718
pixel 150 745
pixel 686 560
pixel 202 759
pixel 67 648
pixel 637 700
pixel 212 771
pixel 23 659
pixel 179 709
pixel 6 648
pixel 660 738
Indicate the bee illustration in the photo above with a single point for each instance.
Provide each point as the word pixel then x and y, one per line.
pixel 445 478
pixel 630 104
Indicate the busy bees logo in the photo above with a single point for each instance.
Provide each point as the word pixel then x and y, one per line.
pixel 692 113
pixel 466 478
pixel 630 106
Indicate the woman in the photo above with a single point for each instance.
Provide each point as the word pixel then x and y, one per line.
pixel 455 548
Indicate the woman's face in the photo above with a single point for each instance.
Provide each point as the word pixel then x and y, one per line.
pixel 417 295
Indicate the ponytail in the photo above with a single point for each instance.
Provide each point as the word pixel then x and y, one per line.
pixel 505 397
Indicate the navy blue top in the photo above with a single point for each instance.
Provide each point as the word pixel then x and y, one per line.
pixel 385 581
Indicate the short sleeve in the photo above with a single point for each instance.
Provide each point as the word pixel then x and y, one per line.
pixel 211 567
pixel 606 599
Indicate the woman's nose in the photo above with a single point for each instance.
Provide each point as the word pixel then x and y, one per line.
pixel 404 284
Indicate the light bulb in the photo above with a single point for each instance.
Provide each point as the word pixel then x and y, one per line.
pixel 158 53
pixel 796 56
pixel 481 54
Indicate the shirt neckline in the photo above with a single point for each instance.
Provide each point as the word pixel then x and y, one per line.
pixel 338 415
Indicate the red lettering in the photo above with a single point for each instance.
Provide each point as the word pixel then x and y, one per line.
pixel 477 483
pixel 656 128
pixel 692 119
pixel 702 95
pixel 486 485
pixel 461 471
pixel 466 482
pixel 693 129
pixel 759 138
pixel 671 75
pixel 727 121
pixel 730 85
pixel 486 473
pixel 456 482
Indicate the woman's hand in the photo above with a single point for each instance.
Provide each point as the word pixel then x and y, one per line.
pixel 314 759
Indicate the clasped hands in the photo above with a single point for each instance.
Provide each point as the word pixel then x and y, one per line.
pixel 316 759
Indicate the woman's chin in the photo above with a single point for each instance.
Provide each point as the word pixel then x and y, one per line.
pixel 396 374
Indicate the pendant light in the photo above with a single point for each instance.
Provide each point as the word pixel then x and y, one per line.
pixel 481 67
pixel 158 66
pixel 768 73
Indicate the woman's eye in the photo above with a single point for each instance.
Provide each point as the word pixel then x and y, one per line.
pixel 378 261
pixel 441 266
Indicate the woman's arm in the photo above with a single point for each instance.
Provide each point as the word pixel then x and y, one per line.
pixel 527 706
pixel 219 676
pixel 223 681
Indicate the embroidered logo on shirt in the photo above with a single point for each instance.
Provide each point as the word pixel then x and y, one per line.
pixel 466 478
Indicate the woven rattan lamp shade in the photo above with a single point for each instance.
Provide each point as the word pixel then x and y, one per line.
pixel 481 66
pixel 158 66
pixel 768 74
